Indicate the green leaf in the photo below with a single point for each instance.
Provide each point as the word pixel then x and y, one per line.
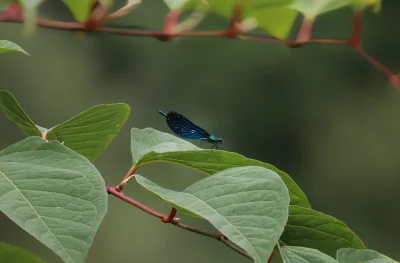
pixel 16 114
pixel 277 21
pixel 8 46
pixel 13 254
pixel 182 4
pixel 351 255
pixel 273 16
pixel 90 132
pixel 80 9
pixel 30 14
pixel 249 205
pixel 293 254
pixel 54 194
pixel 311 9
pixel 313 229
pixel 149 145
pixel 365 3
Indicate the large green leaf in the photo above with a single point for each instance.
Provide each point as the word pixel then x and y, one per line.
pixel 54 194
pixel 313 229
pixel 8 46
pixel 89 133
pixel 249 205
pixel 351 255
pixel 13 254
pixel 149 145
pixel 292 254
pixel 80 9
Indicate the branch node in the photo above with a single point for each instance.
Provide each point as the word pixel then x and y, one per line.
pixel 170 23
pixel 235 27
pixel 97 18
pixel 356 31
pixel 171 216
pixel 305 33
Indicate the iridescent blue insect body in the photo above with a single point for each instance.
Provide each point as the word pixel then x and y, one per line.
pixel 186 129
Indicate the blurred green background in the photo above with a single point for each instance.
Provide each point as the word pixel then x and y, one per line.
pixel 321 113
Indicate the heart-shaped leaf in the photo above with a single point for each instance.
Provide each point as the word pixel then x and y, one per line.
pixel 54 194
pixel 249 205
pixel 149 145
pixel 8 46
pixel 89 133
pixel 292 254
pixel 12 254
pixel 313 229
pixel 351 255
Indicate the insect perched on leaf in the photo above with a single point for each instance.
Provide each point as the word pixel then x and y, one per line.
pixel 186 129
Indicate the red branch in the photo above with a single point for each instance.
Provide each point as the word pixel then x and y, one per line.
pixel 272 256
pixel 305 32
pixel 167 219
pixel 95 23
pixel 356 31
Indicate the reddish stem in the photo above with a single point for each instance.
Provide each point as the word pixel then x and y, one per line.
pixel 356 32
pixel 272 256
pixel 171 216
pixel 166 219
pixel 379 66
pixel 122 184
pixel 169 25
pixel 237 16
pixel 305 32
pixel 115 192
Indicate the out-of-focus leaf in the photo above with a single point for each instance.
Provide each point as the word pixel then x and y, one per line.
pixel 13 254
pixel 80 9
pixel 125 10
pixel 54 194
pixel 273 16
pixel 30 14
pixel 312 8
pixel 8 46
pixel 249 205
pixel 376 4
